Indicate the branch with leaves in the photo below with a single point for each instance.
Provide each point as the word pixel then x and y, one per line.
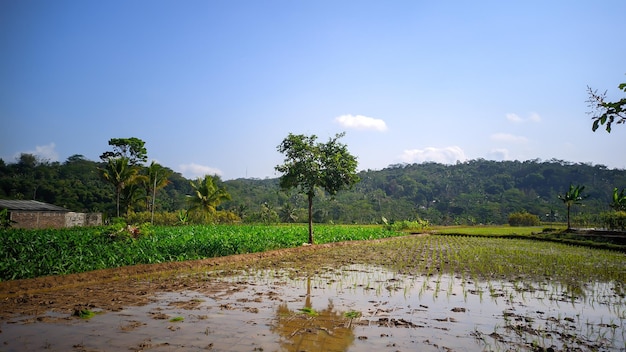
pixel 606 112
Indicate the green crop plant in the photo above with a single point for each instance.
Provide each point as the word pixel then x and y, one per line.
pixel 33 253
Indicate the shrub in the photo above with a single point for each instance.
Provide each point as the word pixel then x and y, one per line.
pixel 614 220
pixel 523 219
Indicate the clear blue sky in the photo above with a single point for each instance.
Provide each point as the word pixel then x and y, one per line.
pixel 214 86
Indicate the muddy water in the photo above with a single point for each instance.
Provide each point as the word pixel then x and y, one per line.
pixel 354 308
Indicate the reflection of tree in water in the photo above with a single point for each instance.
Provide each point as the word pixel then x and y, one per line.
pixel 310 330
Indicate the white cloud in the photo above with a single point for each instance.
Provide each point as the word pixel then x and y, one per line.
pixel 446 155
pixel 499 154
pixel 45 152
pixel 361 122
pixel 193 171
pixel 534 117
pixel 515 118
pixel 508 138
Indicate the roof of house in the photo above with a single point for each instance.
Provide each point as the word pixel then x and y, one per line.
pixel 29 205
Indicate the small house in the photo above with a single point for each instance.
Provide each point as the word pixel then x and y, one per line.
pixel 32 214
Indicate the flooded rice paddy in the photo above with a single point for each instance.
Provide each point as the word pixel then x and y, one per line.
pixel 354 307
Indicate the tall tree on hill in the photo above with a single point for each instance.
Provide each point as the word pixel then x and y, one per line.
pixel 572 197
pixel 131 148
pixel 309 165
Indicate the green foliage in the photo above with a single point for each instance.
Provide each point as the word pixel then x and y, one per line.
pixel 5 219
pixel 122 176
pixel 406 225
pixel 155 178
pixel 618 201
pixel 309 165
pixel 606 112
pixel 84 313
pixel 352 314
pixel 309 311
pixel 160 218
pixel 33 253
pixel 472 192
pixel 183 217
pixel 496 257
pixel 523 219
pixel 615 220
pixel 132 149
pixel 573 196
pixel 208 194
pixel 479 192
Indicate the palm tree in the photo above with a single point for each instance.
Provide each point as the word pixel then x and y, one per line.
pixel 120 174
pixel 571 197
pixel 157 177
pixel 207 195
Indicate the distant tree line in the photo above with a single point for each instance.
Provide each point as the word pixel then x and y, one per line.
pixel 473 192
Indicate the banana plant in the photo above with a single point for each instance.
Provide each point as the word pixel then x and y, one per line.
pixel 572 197
pixel 619 200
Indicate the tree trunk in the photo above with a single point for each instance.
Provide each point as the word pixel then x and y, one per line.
pixel 118 201
pixel 310 218
pixel 569 227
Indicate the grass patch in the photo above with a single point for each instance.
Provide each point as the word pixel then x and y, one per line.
pixel 84 313
pixel 496 231
pixel 548 234
pixel 308 311
pixel 353 314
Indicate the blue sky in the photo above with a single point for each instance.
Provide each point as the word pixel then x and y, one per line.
pixel 214 86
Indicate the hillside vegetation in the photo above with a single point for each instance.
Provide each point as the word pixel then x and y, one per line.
pixel 473 192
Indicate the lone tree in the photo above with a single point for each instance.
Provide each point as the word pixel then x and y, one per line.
pixel 309 165
pixel 571 197
pixel 606 112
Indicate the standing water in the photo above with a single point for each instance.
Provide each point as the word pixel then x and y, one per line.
pixel 352 308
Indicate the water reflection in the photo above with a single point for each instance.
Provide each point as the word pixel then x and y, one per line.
pixel 282 310
pixel 308 329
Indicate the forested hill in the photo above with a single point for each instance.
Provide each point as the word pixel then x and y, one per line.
pixel 472 192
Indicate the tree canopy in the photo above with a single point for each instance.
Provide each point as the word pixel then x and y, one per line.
pixel 472 192
pixel 309 165
pixel 131 148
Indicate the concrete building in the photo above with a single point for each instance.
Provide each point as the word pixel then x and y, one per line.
pixel 32 214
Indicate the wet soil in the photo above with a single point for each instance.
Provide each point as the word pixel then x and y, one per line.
pixel 289 300
pixel 113 289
